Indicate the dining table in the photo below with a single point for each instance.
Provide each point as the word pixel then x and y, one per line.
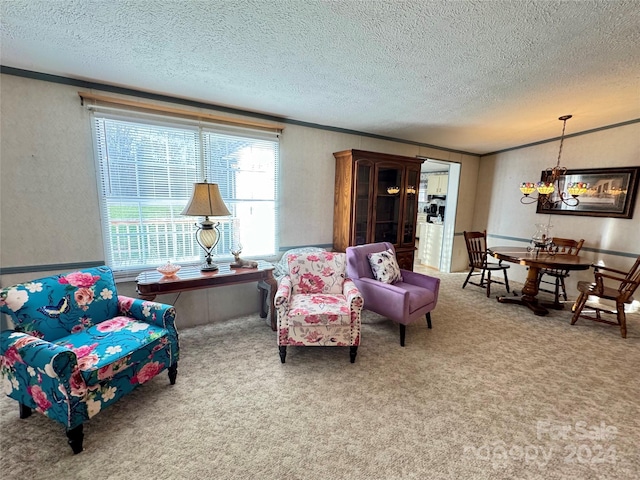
pixel 536 260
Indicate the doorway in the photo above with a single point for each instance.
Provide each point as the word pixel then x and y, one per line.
pixel 437 205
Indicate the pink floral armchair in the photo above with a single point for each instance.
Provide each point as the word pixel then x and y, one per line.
pixel 317 305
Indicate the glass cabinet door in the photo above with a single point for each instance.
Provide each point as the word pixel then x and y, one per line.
pixel 389 189
pixel 363 202
pixel 410 207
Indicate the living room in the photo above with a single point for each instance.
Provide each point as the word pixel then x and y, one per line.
pixel 63 156
pixel 51 223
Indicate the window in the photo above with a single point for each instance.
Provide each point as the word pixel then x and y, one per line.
pixel 146 172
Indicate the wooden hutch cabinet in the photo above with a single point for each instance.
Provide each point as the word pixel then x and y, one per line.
pixel 376 200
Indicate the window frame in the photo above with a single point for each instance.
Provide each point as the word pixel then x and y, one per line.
pixel 231 227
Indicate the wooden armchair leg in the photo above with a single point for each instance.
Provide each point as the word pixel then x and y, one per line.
pixel 468 277
pixel 25 411
pixel 429 319
pixel 564 288
pixel 578 306
pixel 283 352
pixel 353 351
pixel 622 319
pixel 556 293
pixel 403 331
pixel 75 438
pixel 173 373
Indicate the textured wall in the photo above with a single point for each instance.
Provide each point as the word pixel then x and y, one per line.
pixel 498 207
pixel 49 203
pixel 49 199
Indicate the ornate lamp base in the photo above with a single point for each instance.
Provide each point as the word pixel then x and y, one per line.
pixel 208 267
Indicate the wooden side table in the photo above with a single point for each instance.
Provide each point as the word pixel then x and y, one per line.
pixel 152 283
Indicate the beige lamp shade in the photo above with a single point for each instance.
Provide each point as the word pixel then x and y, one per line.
pixel 206 201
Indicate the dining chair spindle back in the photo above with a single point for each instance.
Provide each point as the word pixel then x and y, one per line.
pixel 478 260
pixel 562 246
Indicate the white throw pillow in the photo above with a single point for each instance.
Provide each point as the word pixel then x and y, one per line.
pixel 385 267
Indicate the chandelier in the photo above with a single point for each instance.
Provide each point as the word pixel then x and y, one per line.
pixel 551 183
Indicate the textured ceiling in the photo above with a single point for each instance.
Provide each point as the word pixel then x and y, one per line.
pixel 476 76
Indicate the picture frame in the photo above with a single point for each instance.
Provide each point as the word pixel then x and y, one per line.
pixel 612 193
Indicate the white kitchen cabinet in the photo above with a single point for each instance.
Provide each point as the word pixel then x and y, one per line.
pixel 421 238
pixel 437 184
pixel 431 245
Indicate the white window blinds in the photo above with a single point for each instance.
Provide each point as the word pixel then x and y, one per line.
pixel 146 175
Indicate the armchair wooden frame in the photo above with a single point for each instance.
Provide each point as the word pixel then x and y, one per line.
pixel 478 260
pixel 627 284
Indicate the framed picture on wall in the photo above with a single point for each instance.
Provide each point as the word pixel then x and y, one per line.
pixel 611 193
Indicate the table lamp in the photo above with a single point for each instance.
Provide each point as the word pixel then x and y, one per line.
pixel 206 202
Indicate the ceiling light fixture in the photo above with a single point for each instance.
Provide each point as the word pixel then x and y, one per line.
pixel 551 182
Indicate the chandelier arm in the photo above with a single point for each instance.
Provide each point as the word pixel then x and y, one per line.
pixel 568 200
pixel 527 200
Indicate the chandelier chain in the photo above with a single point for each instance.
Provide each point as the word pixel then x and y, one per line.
pixel 550 183
pixel 564 125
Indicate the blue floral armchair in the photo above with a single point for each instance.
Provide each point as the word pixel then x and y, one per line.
pixel 77 347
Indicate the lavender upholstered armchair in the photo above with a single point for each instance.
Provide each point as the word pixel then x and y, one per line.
pixel 403 301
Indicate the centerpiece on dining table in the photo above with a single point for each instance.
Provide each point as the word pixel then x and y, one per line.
pixel 542 241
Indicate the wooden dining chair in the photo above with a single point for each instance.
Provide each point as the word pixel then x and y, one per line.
pixel 625 283
pixel 479 260
pixel 556 276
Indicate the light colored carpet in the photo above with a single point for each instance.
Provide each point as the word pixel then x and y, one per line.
pixel 492 391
